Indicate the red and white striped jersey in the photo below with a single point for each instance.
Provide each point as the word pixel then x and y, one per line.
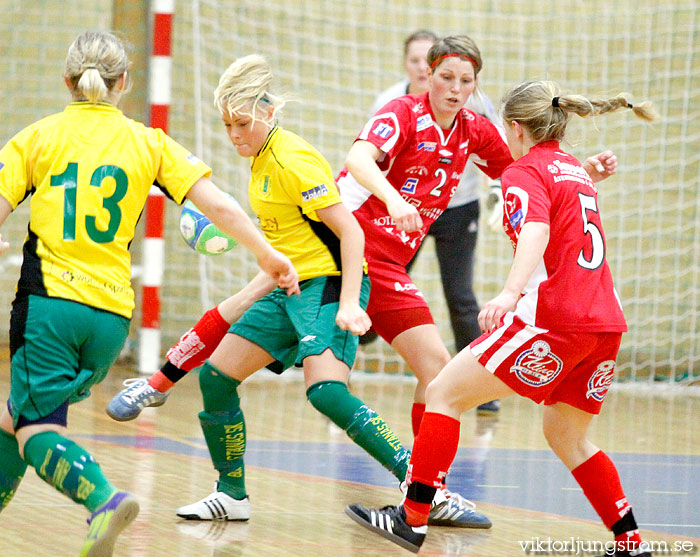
pixel 424 163
pixel 571 288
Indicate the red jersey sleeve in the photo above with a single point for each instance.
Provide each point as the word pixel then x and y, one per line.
pixel 491 153
pixel 525 198
pixel 390 128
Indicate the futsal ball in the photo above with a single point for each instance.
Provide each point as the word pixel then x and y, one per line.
pixel 201 234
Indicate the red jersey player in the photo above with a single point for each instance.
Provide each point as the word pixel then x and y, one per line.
pixel 400 175
pixel 551 335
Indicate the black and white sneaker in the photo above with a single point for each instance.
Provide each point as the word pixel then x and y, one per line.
pixel 217 506
pixel 390 523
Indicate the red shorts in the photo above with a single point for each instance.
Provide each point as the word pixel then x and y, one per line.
pixel 395 303
pixel 548 366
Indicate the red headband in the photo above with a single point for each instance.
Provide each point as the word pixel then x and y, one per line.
pixel 438 60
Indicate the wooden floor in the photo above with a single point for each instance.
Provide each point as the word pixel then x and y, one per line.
pixel 301 472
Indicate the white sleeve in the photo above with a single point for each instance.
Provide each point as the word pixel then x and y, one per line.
pixel 396 90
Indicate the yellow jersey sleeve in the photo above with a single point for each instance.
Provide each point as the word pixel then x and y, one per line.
pixel 179 169
pixel 15 179
pixel 311 185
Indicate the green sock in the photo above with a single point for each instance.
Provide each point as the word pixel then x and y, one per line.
pixel 69 468
pixel 12 468
pixel 224 430
pixel 362 424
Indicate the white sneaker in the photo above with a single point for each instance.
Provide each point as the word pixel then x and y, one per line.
pixel 217 506
pixel 128 403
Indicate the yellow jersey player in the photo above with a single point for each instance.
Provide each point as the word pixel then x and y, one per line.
pixel 88 171
pixel 293 193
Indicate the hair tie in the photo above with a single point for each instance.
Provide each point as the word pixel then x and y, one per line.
pixel 462 56
pixel 90 66
pixel 630 105
pixel 555 102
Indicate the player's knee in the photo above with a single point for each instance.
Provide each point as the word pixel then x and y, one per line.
pixel 329 398
pixel 219 392
pixel 559 435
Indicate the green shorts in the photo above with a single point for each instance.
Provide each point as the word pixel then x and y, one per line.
pixel 59 350
pixel 291 328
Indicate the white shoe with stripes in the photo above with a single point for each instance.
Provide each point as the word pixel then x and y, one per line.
pixel 390 523
pixel 217 506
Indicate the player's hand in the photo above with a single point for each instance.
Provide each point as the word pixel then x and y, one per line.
pixel 280 268
pixel 494 203
pixel 601 166
pixel 493 311
pixel 351 317
pixel 3 244
pixel 405 216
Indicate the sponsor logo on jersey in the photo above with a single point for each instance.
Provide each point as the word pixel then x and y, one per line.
pixel 537 366
pixel 313 193
pixel 514 209
pixel 409 186
pixel 384 221
pixel 600 381
pixel 552 169
pixel 572 172
pixel 264 188
pixel 515 219
pixel 445 160
pixel 445 153
pixel 417 171
pixel 423 122
pixel 193 159
pixel 418 108
pixel 408 287
pixel 268 224
pixel 308 338
pixel 429 146
pixel 2 165
pixel 413 201
pixel 433 213
pixel 383 130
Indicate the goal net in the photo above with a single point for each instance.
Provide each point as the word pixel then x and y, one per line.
pixel 334 56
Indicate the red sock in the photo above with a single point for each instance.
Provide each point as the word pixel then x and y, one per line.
pixel 197 344
pixel 433 452
pixel 600 482
pixel 160 382
pixel 417 411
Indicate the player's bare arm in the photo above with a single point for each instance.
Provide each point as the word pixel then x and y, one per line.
pixel 232 220
pixel 532 242
pixel 361 163
pixel 351 317
pixel 5 210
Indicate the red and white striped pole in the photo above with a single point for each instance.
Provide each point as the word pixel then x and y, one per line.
pixel 154 245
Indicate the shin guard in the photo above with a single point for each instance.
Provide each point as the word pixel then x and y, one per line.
pixel 224 430
pixel 12 468
pixel 362 424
